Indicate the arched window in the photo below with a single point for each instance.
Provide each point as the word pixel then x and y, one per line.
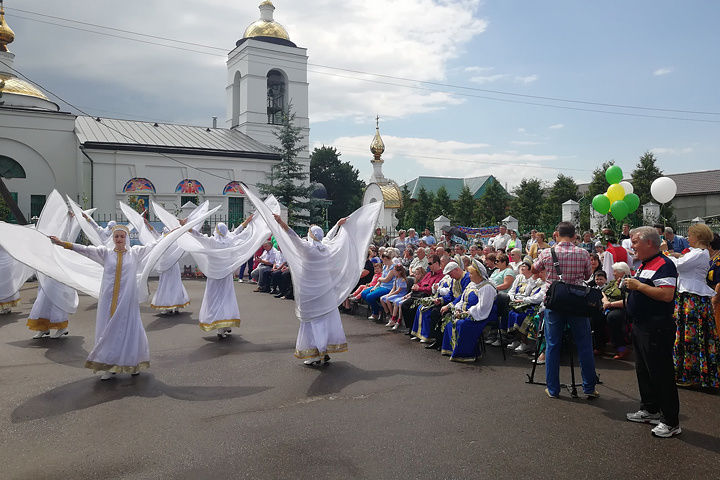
pixel 233 187
pixel 236 101
pixel 9 168
pixel 138 184
pixel 276 90
pixel 189 186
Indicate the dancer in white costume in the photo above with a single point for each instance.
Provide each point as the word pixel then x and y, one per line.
pixel 121 345
pixel 13 275
pixel 324 272
pixel 55 302
pixel 170 295
pixel 218 257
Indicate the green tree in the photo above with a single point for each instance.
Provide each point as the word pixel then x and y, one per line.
pixel 340 179
pixel 598 185
pixel 492 205
pixel 646 171
pixel 465 207
pixel 288 178
pixel 420 212
pixel 527 202
pixel 442 205
pixel 404 213
pixel 563 189
pixel 5 213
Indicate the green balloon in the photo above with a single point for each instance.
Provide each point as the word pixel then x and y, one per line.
pixel 601 204
pixel 614 174
pixel 619 210
pixel 632 201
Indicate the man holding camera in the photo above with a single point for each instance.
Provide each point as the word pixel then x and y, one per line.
pixel 650 306
pixel 575 267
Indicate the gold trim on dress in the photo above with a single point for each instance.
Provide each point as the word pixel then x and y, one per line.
pixel 171 306
pixel 106 367
pixel 44 324
pixel 235 322
pixel 314 352
pixel 116 286
pixel 67 245
pixel 11 303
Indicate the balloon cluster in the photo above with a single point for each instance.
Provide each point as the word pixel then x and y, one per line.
pixel 619 200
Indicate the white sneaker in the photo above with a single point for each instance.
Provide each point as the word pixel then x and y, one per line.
pixel 372 317
pixel 60 333
pixel 41 334
pixel 240 280
pixel 666 431
pixel 523 348
pixel 514 345
pixel 221 333
pixel 643 416
pixel 496 343
pixel 490 341
pixel 107 376
pixel 414 338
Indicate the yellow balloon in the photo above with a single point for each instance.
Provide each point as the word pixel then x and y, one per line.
pixel 615 192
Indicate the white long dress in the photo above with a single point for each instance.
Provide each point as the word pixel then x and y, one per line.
pixel 121 344
pixel 323 275
pixel 13 275
pixel 170 293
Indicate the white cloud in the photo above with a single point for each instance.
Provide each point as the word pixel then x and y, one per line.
pixel 407 157
pixel 483 79
pixel 663 71
pixel 476 69
pixel 521 130
pixel 526 80
pixel 407 38
pixel 557 126
pixel 671 151
pixel 525 142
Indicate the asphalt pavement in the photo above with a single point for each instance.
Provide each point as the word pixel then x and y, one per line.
pixel 244 407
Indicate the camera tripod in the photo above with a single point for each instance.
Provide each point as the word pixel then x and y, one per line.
pixel 572 386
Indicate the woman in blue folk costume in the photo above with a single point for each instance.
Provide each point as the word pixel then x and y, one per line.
pixel 469 316
pixel 421 326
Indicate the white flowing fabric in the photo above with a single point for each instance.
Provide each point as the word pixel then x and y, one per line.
pixel 218 259
pixel 35 250
pixel 170 293
pixel 323 275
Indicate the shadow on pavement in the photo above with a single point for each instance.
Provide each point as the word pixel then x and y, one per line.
pixel 11 318
pixel 163 322
pixel 68 350
pixel 92 306
pixel 335 376
pixel 216 348
pixel 91 391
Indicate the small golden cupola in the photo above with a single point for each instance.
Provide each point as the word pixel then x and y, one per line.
pixel 6 34
pixel 377 147
pixel 266 26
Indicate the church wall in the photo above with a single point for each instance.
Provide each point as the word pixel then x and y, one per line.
pixel 44 144
pixel 114 169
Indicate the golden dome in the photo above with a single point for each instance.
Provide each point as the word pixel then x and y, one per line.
pixel 6 33
pixel 266 26
pixel 377 147
pixel 391 195
pixel 19 87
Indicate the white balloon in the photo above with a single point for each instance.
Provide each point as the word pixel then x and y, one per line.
pixel 627 186
pixel 663 189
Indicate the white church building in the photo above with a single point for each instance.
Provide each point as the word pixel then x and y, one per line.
pixel 98 161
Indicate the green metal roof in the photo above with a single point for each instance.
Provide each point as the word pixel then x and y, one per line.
pixel 477 185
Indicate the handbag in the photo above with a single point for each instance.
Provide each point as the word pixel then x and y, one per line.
pixel 575 300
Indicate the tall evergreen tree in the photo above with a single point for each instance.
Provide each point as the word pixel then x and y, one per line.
pixel 492 205
pixel 423 209
pixel 646 171
pixel 465 207
pixel 563 189
pixel 527 202
pixel 288 177
pixel 442 205
pixel 340 179
pixel 404 213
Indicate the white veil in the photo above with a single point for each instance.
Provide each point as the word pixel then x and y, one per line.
pixel 322 282
pixel 216 259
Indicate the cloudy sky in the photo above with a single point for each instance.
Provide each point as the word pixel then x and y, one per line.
pixel 465 87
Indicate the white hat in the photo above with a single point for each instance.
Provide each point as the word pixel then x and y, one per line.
pixel 450 267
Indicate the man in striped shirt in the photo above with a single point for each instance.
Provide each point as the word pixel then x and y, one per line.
pixel 575 266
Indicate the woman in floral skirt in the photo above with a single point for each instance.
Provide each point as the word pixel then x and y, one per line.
pixel 696 341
